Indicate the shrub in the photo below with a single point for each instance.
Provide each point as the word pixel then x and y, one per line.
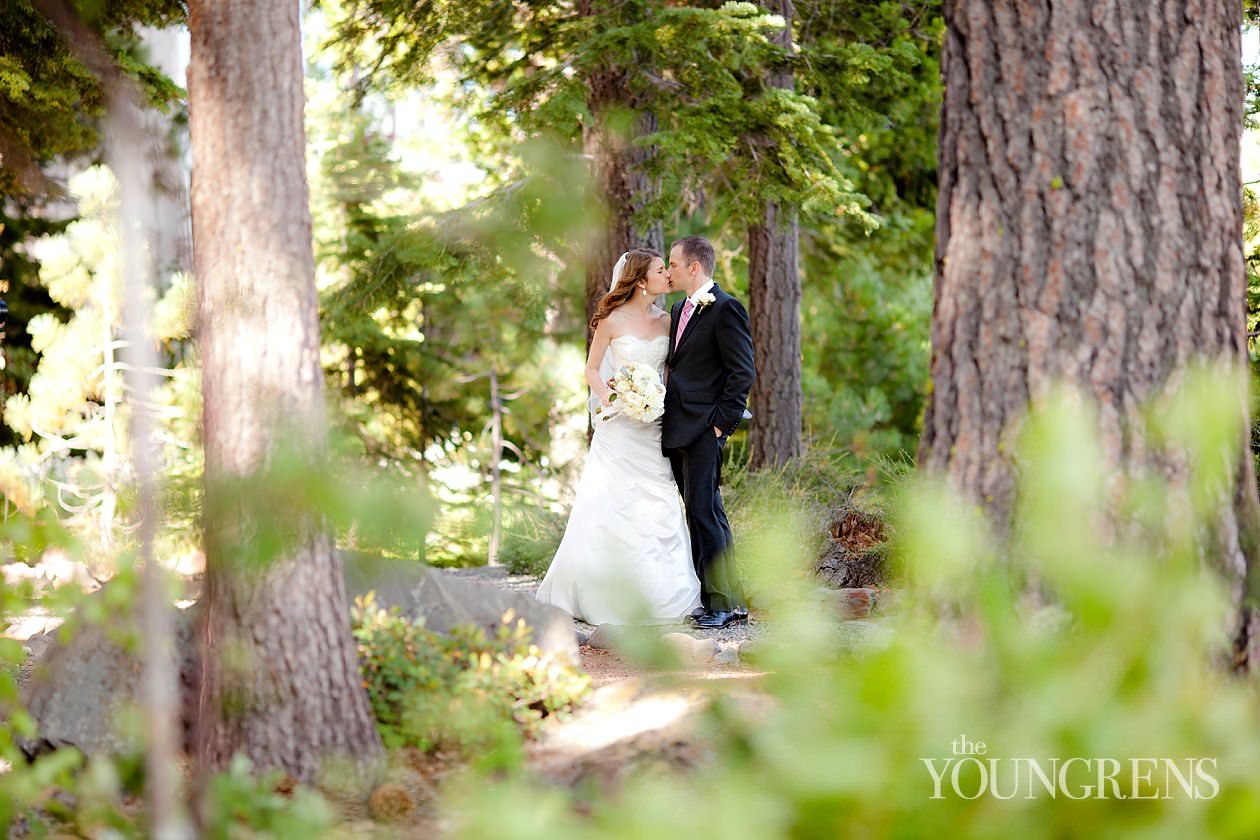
pixel 1124 667
pixel 469 692
pixel 531 536
pixel 799 500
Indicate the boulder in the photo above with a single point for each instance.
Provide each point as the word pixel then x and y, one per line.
pixel 691 650
pixel 78 687
pixel 84 683
pixel 603 637
pixel 443 599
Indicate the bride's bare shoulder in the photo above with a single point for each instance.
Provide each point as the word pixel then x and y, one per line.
pixel 610 323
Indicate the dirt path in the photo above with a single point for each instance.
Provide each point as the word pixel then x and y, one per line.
pixel 607 667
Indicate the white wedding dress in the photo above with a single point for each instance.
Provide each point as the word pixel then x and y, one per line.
pixel 626 555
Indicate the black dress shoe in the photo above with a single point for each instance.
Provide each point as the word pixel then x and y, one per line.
pixel 696 613
pixel 717 619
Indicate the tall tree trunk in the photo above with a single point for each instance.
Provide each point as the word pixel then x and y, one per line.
pixel 1088 229
pixel 774 309
pixel 280 679
pixel 617 168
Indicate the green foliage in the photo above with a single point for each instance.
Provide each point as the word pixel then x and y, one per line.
pixel 866 356
pixel 531 536
pixel 562 67
pixel 1124 665
pixel 50 103
pixel 421 303
pixel 72 418
pixel 874 68
pixel 240 801
pixel 467 692
pixel 797 501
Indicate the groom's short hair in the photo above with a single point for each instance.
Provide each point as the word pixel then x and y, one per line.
pixel 698 249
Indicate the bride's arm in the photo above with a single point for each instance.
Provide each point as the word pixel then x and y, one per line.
pixel 599 346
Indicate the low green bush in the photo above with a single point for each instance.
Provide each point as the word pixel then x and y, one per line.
pixel 531 536
pixel 468 692
pixel 1111 683
pixel 798 501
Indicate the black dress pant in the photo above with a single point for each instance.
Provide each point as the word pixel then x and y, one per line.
pixel 697 469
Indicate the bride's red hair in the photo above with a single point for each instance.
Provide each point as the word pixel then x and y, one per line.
pixel 636 268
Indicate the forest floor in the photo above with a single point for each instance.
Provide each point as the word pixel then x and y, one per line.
pixel 635 717
pixel 607 667
pixel 641 718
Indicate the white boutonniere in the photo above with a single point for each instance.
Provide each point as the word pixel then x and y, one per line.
pixel 704 300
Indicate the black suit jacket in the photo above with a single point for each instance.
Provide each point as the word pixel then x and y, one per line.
pixel 710 371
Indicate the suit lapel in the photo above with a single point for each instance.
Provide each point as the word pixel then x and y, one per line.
pixel 695 316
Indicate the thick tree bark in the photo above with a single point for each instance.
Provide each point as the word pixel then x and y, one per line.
pixel 618 173
pixel 624 189
pixel 280 679
pixel 774 310
pixel 1088 230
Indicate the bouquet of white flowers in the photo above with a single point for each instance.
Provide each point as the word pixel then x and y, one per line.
pixel 637 392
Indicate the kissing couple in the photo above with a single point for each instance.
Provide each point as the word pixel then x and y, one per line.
pixel 667 391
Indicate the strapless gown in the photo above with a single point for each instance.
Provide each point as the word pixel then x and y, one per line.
pixel 626 556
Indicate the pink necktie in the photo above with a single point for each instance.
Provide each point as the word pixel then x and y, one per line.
pixel 682 321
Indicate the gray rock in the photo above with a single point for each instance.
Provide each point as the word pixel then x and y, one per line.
pixel 444 600
pixel 727 656
pixel 603 637
pixel 84 682
pixel 392 580
pixel 704 651
pixel 691 650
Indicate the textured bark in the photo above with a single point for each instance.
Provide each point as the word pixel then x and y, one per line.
pixel 1088 229
pixel 280 678
pixel 774 310
pixel 617 170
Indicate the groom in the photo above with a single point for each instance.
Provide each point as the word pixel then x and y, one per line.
pixel 710 364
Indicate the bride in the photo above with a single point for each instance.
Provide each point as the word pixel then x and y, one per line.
pixel 626 555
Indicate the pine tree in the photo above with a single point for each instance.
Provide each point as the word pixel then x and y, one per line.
pixel 661 98
pixel 50 110
pixel 1089 232
pixel 280 681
